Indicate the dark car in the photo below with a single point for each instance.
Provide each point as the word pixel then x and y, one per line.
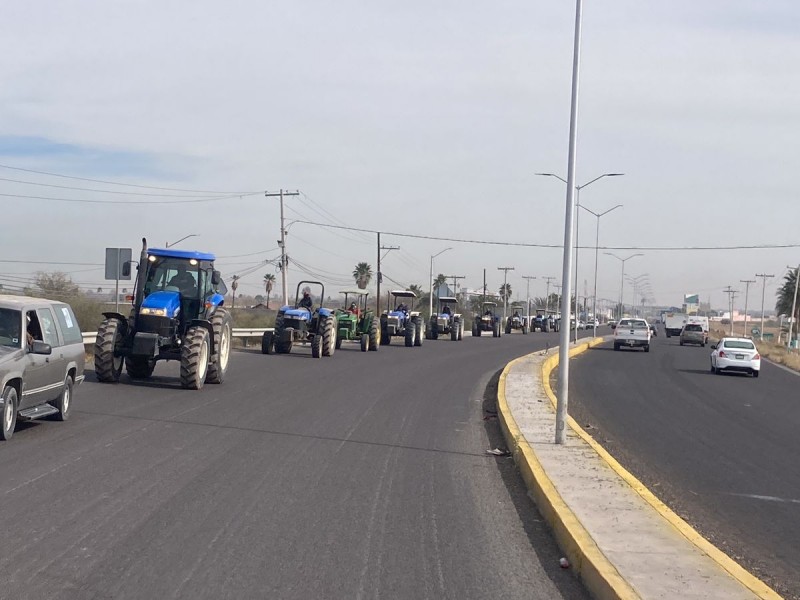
pixel 41 359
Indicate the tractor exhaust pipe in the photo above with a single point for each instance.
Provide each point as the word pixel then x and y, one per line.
pixel 142 269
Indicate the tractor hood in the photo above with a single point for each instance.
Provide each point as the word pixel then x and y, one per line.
pixel 297 313
pixel 162 304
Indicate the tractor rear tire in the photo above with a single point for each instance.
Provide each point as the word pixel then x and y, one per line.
pixel 222 325
pixel 419 331
pixel 461 331
pixel 107 363
pixel 195 358
pixel 375 337
pixel 433 329
pixel 409 334
pixel 508 327
pixel 338 342
pixel 268 342
pixel 364 341
pixel 524 330
pixel 139 367
pixel 329 336
pixel 496 329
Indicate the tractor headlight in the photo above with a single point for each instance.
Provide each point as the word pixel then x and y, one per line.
pixel 156 312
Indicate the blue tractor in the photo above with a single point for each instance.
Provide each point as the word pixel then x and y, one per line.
pixel 403 321
pixel 303 323
pixel 177 314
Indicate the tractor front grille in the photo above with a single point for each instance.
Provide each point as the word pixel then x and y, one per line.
pixel 163 326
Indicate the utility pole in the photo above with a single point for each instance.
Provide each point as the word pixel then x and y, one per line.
pixel 528 294
pixel 763 292
pixel 746 283
pixel 731 295
pixel 505 290
pixel 380 275
pixel 282 244
pixel 455 279
pixel 548 279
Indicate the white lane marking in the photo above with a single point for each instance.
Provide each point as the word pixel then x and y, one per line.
pixel 767 498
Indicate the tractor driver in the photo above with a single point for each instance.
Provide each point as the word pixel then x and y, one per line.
pixel 305 301
pixel 354 309
pixel 183 280
pixel 446 311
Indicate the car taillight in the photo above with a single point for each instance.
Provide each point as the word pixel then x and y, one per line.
pixel 721 354
pixel 757 356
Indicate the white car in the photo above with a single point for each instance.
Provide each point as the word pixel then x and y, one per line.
pixel 735 354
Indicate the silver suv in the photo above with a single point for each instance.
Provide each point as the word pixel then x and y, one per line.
pixel 41 360
pixel 693 333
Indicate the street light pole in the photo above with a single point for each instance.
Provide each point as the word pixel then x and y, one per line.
pixel 746 283
pixel 168 245
pixel 596 256
pixel 430 281
pixel 794 303
pixel 764 277
pixel 578 189
pixel 622 277
pixel 528 297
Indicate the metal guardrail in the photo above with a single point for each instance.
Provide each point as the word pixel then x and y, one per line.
pixel 238 332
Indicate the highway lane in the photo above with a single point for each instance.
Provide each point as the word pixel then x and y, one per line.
pixel 359 476
pixel 722 451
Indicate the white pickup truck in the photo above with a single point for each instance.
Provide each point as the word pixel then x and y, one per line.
pixel 632 333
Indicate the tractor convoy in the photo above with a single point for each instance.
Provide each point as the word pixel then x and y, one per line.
pixel 177 313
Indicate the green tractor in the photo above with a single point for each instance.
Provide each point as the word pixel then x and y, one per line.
pixel 356 322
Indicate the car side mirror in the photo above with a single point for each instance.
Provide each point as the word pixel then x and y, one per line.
pixel 41 348
pixel 713 346
pixel 216 277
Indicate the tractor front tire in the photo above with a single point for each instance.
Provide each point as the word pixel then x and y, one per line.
pixel 316 346
pixel 222 325
pixel 195 358
pixel 364 342
pixel 139 367
pixel 385 337
pixel 454 332
pixel 419 331
pixel 281 347
pixel 328 327
pixel 409 334
pixel 107 362
pixel 268 342
pixel 375 337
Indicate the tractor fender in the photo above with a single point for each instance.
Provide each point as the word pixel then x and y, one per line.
pixel 326 312
pixel 126 326
pixel 206 325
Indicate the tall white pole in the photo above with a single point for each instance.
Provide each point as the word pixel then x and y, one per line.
pixel 794 303
pixel 284 262
pixel 747 283
pixel 764 277
pixel 430 299
pixel 569 215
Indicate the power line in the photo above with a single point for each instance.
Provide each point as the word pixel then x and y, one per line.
pixel 135 185
pixel 96 191
pixel 553 246
pixel 128 202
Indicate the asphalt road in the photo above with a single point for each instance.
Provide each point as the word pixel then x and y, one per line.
pixel 723 451
pixel 358 476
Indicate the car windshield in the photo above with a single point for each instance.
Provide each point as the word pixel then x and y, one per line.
pixel 172 274
pixel 739 345
pixel 10 328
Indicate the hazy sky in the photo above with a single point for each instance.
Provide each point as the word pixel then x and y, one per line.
pixel 413 117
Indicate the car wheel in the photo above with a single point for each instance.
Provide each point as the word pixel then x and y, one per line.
pixel 755 373
pixel 9 411
pixel 64 402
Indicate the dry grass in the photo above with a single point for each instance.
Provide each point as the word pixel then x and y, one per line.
pixel 771 351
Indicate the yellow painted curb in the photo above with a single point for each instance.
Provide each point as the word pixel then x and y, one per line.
pixel 595 570
pixel 747 579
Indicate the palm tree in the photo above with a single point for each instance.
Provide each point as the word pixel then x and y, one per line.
pixel 786 295
pixel 362 274
pixel 269 281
